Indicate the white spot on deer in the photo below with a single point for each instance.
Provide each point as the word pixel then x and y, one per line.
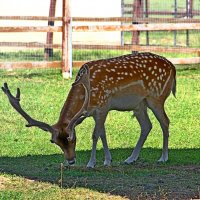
pixel 147 77
pixel 155 67
pixel 152 72
pixel 149 84
pixel 159 85
pixel 93 94
pixel 149 68
pixel 157 91
pixel 131 66
pixel 94 76
pixel 94 89
pixel 113 70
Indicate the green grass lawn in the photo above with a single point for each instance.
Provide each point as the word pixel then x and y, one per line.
pixel 30 164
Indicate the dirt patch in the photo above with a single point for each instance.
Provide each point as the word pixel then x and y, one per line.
pixel 3 181
pixel 177 182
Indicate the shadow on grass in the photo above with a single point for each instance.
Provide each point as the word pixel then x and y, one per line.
pixel 146 175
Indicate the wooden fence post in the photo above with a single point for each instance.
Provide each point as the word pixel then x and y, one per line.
pixel 137 13
pixel 146 16
pixel 66 41
pixel 189 7
pixel 48 52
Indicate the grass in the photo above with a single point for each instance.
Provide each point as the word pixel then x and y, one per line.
pixel 30 164
pixel 78 55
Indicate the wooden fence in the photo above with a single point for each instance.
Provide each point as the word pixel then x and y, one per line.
pixel 142 9
pixel 145 24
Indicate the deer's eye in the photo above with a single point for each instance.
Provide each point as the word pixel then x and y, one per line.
pixel 52 141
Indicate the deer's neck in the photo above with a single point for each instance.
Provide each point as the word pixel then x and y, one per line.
pixel 73 107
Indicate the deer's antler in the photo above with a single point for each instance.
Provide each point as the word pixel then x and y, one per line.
pixel 15 102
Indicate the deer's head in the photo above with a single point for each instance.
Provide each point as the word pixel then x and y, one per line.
pixel 63 132
pixel 73 113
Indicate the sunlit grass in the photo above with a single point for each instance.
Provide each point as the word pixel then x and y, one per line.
pixel 43 95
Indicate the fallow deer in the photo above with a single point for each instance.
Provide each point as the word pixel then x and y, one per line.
pixel 131 82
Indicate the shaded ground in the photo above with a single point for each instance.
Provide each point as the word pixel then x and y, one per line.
pixel 143 180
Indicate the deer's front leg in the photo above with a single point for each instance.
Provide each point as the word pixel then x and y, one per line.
pixel 99 131
pixel 92 161
pixel 108 158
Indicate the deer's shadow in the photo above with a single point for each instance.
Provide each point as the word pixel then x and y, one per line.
pixel 47 168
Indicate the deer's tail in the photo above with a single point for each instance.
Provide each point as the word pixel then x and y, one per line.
pixel 174 85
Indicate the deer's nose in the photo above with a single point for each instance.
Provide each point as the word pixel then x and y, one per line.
pixel 72 162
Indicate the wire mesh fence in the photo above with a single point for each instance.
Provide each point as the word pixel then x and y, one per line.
pixel 21 45
pixel 99 29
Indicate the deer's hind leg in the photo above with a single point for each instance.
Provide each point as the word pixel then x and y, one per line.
pixel 159 112
pixel 142 116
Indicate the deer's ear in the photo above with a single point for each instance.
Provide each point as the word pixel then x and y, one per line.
pixel 83 76
pixel 83 81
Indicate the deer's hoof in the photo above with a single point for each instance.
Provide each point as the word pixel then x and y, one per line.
pixel 129 161
pixel 107 163
pixel 91 165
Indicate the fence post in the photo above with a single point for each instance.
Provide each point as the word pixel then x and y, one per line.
pixel 175 16
pixel 122 15
pixel 189 5
pixel 66 41
pixel 137 13
pixel 146 16
pixel 48 52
